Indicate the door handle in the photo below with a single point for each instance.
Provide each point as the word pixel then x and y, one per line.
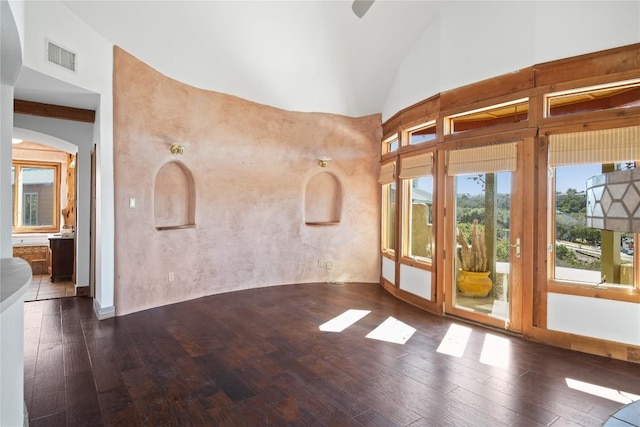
pixel 517 246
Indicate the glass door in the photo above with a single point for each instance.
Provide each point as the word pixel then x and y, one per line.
pixel 484 235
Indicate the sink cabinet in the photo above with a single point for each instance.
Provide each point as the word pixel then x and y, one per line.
pixel 62 251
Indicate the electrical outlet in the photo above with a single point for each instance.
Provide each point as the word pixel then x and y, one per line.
pixel 171 276
pixel 320 263
pixel 329 265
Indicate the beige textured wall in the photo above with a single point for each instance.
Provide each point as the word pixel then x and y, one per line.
pixel 250 164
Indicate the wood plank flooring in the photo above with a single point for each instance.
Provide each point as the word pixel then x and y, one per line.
pixel 258 358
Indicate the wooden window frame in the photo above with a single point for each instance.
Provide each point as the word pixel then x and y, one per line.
pixel 55 227
pixel 386 144
pixel 405 213
pixel 450 120
pixel 587 91
pixel 385 248
pixel 386 180
pixel 410 131
pixel 617 292
pixel 533 82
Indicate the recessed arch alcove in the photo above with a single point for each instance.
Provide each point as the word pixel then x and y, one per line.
pixel 174 197
pixel 323 200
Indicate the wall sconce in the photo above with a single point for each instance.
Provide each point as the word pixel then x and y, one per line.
pixel 323 161
pixel 613 201
pixel 177 149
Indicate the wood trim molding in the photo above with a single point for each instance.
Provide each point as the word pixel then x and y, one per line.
pixel 616 293
pixel 409 298
pixel 413 115
pixel 53 111
pixel 506 85
pixel 621 62
pixel 611 61
pixel 600 347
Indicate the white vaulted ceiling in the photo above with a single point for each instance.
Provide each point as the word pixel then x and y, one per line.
pixel 295 55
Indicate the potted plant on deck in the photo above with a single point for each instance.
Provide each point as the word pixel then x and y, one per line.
pixel 473 277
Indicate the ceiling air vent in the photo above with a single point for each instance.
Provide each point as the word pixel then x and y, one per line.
pixel 61 56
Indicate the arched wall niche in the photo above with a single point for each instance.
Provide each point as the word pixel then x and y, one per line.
pixel 174 197
pixel 323 200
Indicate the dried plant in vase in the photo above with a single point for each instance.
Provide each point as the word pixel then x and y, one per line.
pixel 473 278
pixel 473 256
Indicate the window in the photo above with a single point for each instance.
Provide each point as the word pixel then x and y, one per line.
pixel 35 188
pixel 594 98
pixel 423 133
pixel 390 144
pixel 495 115
pixel 30 210
pixel 585 254
pixel 416 175
pixel 387 179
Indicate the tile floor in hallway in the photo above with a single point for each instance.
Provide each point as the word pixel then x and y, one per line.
pixel 41 288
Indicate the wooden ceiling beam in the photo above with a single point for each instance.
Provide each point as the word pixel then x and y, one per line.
pixel 53 111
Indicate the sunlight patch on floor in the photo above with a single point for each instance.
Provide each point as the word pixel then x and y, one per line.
pixel 343 321
pixel 392 330
pixel 604 392
pixel 455 341
pixel 496 351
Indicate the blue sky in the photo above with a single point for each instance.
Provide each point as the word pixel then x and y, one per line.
pixel 566 177
pixel 467 185
pixel 575 176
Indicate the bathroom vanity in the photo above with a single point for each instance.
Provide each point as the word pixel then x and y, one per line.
pixel 62 251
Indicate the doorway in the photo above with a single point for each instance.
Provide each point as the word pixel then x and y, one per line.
pixel 484 234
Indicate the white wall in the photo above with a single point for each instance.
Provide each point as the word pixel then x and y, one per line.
pixel 104 297
pixel 611 320
pixel 11 317
pixel 51 20
pixel 12 362
pixel 473 41
pixel 416 281
pixel 10 64
pixel 389 270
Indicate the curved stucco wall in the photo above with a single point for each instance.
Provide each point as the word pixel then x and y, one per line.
pixel 473 41
pixel 250 165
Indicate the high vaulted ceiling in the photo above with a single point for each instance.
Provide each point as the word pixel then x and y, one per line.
pixel 295 55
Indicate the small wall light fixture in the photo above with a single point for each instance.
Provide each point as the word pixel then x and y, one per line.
pixel 323 161
pixel 177 149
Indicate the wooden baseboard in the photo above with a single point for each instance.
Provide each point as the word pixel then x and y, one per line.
pixel 599 347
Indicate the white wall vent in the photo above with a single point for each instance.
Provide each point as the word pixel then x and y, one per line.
pixel 61 56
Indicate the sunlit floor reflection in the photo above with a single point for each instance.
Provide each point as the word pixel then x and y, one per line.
pixel 344 320
pixel 455 341
pixel 392 330
pixel 604 392
pixel 496 351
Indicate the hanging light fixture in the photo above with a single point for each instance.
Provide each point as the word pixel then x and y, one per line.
pixel 613 201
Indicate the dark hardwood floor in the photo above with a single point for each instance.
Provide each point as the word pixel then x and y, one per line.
pixel 258 358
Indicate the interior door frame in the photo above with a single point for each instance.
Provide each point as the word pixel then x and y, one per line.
pixel 92 227
pixel 517 208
